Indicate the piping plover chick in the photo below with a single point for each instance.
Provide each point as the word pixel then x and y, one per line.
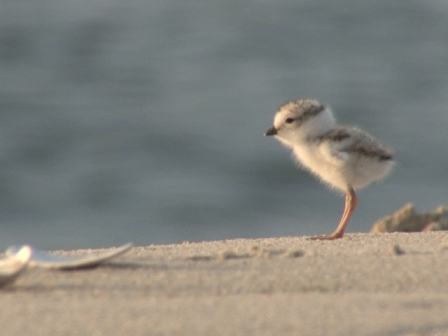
pixel 343 157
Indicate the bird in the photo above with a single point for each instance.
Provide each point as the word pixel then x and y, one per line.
pixel 344 158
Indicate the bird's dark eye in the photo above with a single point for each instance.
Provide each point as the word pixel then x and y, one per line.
pixel 289 120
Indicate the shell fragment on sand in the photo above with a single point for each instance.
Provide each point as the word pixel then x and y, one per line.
pixel 14 264
pixel 44 259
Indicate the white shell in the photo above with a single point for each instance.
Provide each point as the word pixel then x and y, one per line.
pixel 44 259
pixel 14 264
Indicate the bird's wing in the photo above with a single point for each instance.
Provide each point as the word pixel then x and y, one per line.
pixel 334 145
pixel 338 144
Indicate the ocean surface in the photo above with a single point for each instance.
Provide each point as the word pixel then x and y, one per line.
pixel 143 121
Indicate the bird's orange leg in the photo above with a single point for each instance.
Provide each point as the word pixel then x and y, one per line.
pixel 350 205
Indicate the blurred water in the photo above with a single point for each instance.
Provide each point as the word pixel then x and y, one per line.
pixel 142 121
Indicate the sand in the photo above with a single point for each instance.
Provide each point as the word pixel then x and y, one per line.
pixel 364 284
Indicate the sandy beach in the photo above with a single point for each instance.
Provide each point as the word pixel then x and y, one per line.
pixel 363 284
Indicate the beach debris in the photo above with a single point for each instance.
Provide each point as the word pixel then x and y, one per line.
pixel 218 256
pixel 407 220
pixel 199 257
pixel 254 251
pixel 44 259
pixel 265 253
pixel 294 253
pixel 226 255
pixel 13 265
pixel 397 250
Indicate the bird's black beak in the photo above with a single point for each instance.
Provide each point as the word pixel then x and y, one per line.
pixel 271 131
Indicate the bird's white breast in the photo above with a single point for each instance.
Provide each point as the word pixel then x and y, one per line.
pixel 328 169
pixel 341 169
